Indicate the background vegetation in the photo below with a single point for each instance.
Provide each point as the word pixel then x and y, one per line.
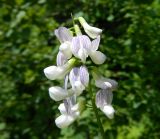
pixel 131 40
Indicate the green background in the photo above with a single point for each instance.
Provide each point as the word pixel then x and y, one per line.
pixel 131 41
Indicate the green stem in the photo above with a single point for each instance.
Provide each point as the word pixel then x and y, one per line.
pixel 96 112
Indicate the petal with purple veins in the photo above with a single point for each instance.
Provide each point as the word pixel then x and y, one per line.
pixel 84 75
pixel 63 34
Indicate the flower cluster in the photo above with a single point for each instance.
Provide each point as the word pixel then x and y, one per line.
pixel 71 67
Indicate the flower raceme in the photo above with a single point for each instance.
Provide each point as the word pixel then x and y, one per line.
pixel 72 68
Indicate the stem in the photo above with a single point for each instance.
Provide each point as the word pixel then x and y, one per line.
pixel 96 112
pixel 72 19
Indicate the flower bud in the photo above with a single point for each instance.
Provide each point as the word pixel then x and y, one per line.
pixel 93 32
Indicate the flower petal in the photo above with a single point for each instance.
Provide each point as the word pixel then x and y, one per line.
pixel 61 59
pixel 108 111
pixel 82 54
pixel 97 57
pixel 107 96
pixel 65 48
pixel 78 87
pixel 95 43
pixel 63 34
pixel 84 75
pixel 93 32
pixel 100 99
pixel 75 46
pixel 64 120
pixel 73 75
pixel 62 109
pixel 53 72
pixel 57 93
pixel 85 42
pixel 105 83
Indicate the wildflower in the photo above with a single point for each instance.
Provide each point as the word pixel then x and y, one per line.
pixel 69 112
pixel 103 101
pixel 80 45
pixel 59 72
pixel 92 32
pixel 79 78
pixel 65 37
pixel 104 96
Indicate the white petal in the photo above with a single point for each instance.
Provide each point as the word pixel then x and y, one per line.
pixel 75 46
pixel 57 93
pixel 63 34
pixel 99 99
pixel 78 88
pixel 105 83
pixel 61 59
pixel 93 32
pixel 75 108
pixel 84 75
pixel 62 109
pixel 65 48
pixel 64 120
pixel 53 72
pixel 82 54
pixel 109 111
pixel 97 57
pixel 95 43
pixel 85 42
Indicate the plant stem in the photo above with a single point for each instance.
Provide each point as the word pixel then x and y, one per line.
pixel 96 112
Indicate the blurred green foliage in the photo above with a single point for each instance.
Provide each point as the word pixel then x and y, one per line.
pixel 131 41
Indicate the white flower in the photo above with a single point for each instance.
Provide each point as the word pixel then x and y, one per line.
pixel 58 72
pixel 93 32
pixel 96 56
pixel 79 78
pixel 104 96
pixel 80 46
pixel 65 37
pixel 69 111
pixel 103 101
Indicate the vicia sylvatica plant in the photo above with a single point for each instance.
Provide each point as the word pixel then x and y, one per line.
pixel 71 66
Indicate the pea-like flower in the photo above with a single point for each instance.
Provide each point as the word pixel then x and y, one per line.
pixel 92 32
pixel 82 47
pixel 79 78
pixel 69 112
pixel 59 72
pixel 104 96
pixel 65 37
